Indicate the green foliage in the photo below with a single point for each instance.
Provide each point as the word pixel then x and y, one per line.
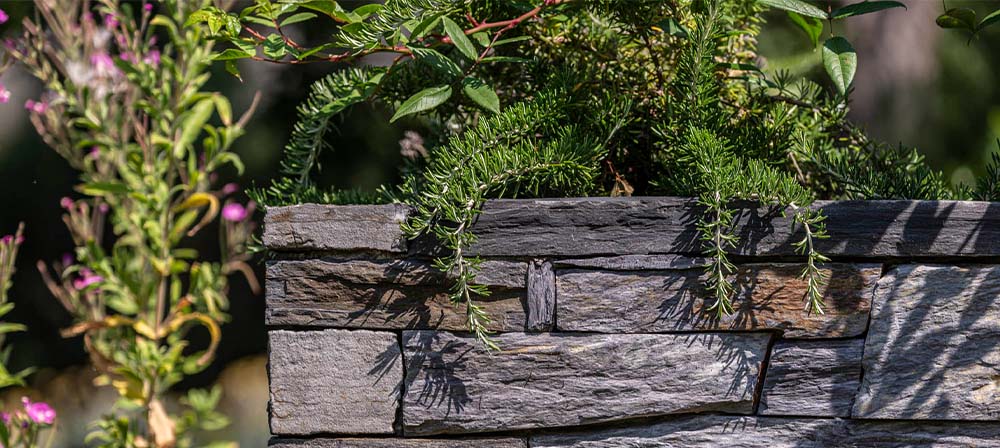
pixel 701 119
pixel 148 140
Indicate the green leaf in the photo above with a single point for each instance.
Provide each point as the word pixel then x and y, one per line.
pixel 328 7
pixel 233 69
pixel 459 38
pixel 230 54
pixel 958 18
pixel 797 6
pixel 367 10
pixel 812 26
pixel 482 94
pixel 504 59
pixel 8 327
pixel 296 18
pixel 672 27
pixel 275 47
pixel 437 61
pixel 840 61
pixel 857 9
pixel 994 17
pixel 101 188
pixel 426 99
pixel 511 40
pixel 425 26
pixel 192 124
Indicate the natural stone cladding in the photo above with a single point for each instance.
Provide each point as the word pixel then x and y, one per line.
pixel 599 312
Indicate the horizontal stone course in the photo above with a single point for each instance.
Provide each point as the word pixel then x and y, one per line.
pixel 812 378
pixel 647 225
pixel 933 350
pixel 387 294
pixel 774 432
pixel 506 442
pixel 769 296
pixel 553 380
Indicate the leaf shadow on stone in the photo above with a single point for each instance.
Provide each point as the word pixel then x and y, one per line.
pixel 936 352
pixel 735 358
pixel 435 368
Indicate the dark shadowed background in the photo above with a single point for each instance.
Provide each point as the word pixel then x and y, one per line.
pixel 916 84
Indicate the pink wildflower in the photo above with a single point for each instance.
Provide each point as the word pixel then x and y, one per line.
pixel 152 58
pixel 148 7
pixel 234 212
pixel 230 188
pixel 67 259
pixel 87 278
pixel 7 239
pixel 38 107
pixel 39 412
pixel 104 65
pixel 110 21
pixel 66 203
pixel 4 94
pixel 3 17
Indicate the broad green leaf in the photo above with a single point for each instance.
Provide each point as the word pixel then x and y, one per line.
pixel 459 38
pixel 812 26
pixel 482 38
pixel 192 124
pixel 233 69
pixel 482 94
pixel 437 61
pixel 840 61
pixel 223 108
pixel 511 40
pixel 797 6
pixel 328 7
pixel 993 17
pixel 425 26
pixel 426 99
pixel 671 27
pixel 275 47
pixel 364 11
pixel 230 54
pixel 958 18
pixel 296 18
pixel 857 9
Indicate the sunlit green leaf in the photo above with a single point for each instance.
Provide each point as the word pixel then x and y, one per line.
pixel 841 62
pixel 857 9
pixel 423 100
pixel 459 38
pixel 296 18
pixel 963 18
pixel 797 6
pixel 482 94
pixel 992 18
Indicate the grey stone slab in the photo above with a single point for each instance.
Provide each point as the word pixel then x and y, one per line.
pixel 506 442
pixel 311 227
pixel 770 296
pixel 713 431
pixel 552 380
pixel 387 294
pixel 812 378
pixel 933 349
pixel 334 381
pixel 541 296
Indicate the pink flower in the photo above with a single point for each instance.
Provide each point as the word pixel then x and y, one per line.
pixel 66 203
pixel 3 17
pixel 152 58
pixel 5 417
pixel 103 208
pixel 110 21
pixel 234 212
pixel 104 65
pixel 38 107
pixel 7 239
pixel 230 188
pixel 148 7
pixel 126 56
pixel 4 94
pixel 67 259
pixel 87 278
pixel 39 412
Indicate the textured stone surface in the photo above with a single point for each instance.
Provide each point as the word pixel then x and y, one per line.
pixel 634 262
pixel 334 381
pixel 644 225
pixel 541 296
pixel 386 294
pixel 400 443
pixel 771 432
pixel 552 380
pixel 812 378
pixel 933 349
pixel 311 227
pixel 769 296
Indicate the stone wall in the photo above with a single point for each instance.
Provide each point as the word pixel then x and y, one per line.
pixel 597 305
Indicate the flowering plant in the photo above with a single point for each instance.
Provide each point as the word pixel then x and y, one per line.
pixel 21 428
pixel 125 106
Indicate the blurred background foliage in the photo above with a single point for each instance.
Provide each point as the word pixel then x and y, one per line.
pixel 916 84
